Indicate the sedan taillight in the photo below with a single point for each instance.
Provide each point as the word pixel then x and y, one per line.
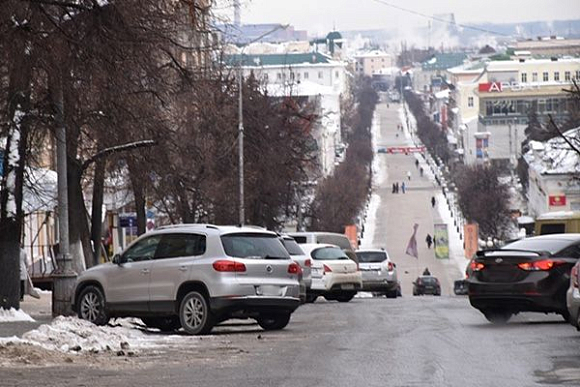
pixel 225 265
pixel 390 266
pixel 327 269
pixel 543 265
pixel 308 263
pixel 476 266
pixel 574 276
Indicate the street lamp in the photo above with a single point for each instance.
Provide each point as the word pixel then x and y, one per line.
pixel 242 209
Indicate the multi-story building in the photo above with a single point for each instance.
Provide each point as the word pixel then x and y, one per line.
pixel 509 91
pixel 429 78
pixel 548 46
pixel 552 168
pixel 312 75
pixel 373 62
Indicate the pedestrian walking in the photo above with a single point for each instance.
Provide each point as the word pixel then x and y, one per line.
pixel 416 163
pixel 23 273
pixel 433 201
pixel 426 271
pixel 421 171
pixel 397 187
pixel 429 241
pixel 409 175
pixel 394 188
pixel 403 187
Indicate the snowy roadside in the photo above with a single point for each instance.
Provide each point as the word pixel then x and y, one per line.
pixel 13 315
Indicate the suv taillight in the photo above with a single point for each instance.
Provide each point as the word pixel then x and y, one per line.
pixel 327 269
pixel 544 264
pixel 390 266
pixel 308 263
pixel 294 268
pixel 574 275
pixel 225 265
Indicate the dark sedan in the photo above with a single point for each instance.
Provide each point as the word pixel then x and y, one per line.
pixel 529 275
pixel 426 284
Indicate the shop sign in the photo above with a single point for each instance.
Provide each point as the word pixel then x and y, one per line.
pixel 557 200
pixel 498 87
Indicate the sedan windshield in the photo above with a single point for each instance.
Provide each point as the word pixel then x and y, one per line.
pixel 328 253
pixel 254 246
pixel 371 256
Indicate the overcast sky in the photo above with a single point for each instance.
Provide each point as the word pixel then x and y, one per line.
pixel 318 16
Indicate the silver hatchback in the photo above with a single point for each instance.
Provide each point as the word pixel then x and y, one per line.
pixel 194 276
pixel 573 296
pixel 379 273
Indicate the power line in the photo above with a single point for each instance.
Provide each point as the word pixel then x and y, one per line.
pixel 383 2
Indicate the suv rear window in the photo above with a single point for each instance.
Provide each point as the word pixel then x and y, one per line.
pixel 328 253
pixel 252 245
pixel 292 247
pixel 371 256
pixel 429 280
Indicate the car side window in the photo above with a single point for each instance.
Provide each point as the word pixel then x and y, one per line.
pixel 571 252
pixel 142 251
pixel 181 245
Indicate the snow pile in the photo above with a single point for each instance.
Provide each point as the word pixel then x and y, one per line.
pixel 555 156
pixel 14 315
pixel 70 334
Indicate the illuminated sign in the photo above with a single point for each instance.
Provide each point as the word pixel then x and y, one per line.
pixel 498 87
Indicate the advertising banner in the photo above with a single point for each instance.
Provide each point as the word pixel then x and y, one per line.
pixel 557 200
pixel 441 239
pixel 471 233
pixel 351 232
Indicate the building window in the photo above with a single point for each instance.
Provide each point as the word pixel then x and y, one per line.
pixel 470 101
pixel 567 76
pixel 320 75
pixel 524 77
pixel 305 75
pixel 534 77
pixel 557 76
pixel 546 77
pixel 292 76
pixel 577 74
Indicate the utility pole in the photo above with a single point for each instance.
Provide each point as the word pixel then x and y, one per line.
pixel 64 277
pixel 242 214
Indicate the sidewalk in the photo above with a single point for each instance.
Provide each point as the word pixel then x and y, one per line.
pixel 39 309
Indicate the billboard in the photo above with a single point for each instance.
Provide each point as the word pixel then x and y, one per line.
pixel 441 239
pixel 471 233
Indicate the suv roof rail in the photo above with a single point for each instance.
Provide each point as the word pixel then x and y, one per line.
pixel 200 225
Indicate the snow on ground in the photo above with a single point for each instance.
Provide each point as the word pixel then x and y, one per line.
pixel 71 334
pixel 14 315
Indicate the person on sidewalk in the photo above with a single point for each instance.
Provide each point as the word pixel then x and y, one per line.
pixel 429 241
pixel 416 163
pixel 426 271
pixel 409 175
pixel 403 187
pixel 397 187
pixel 23 273
pixel 433 202
pixel 421 171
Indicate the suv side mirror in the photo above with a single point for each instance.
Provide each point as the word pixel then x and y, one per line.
pixel 117 259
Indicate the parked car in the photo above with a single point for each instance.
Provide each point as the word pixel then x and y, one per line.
pixel 528 275
pixel 426 284
pixel 194 276
pixel 379 273
pixel 334 275
pixel 298 255
pixel 331 238
pixel 558 222
pixel 573 296
pixel 460 287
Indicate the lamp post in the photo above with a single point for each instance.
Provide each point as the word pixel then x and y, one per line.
pixel 242 208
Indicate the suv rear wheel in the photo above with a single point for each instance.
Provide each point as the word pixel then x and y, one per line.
pixel 92 306
pixel 274 321
pixel 497 316
pixel 194 314
pixel 345 297
pixel 164 324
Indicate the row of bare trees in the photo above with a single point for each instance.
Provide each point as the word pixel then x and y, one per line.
pixel 140 89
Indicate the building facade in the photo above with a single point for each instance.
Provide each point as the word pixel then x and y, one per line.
pixel 373 62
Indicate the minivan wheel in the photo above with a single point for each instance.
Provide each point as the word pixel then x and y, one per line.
pixel 164 324
pixel 273 321
pixel 497 316
pixel 92 306
pixel 194 314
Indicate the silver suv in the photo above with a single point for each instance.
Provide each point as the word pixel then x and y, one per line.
pixel 194 276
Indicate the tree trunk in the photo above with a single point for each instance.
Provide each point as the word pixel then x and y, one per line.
pixel 79 235
pixel 97 212
pixel 139 194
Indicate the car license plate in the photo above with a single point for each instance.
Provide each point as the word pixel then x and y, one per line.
pixel 347 286
pixel 268 290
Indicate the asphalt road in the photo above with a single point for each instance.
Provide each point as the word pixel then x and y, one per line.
pixel 409 341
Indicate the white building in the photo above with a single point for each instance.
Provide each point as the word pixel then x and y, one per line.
pixel 553 167
pixel 371 62
pixel 313 75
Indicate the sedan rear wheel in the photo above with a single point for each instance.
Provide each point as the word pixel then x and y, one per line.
pixel 497 316
pixel 194 314
pixel 274 321
pixel 92 306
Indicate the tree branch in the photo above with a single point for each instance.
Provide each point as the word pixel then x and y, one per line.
pixel 563 136
pixel 117 149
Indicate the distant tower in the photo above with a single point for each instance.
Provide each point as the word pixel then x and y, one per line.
pixel 237 13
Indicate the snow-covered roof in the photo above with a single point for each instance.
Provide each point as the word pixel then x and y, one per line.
pixel 304 88
pixel 556 156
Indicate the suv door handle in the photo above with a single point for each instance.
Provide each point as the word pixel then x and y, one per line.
pixel 182 268
pixel 144 271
